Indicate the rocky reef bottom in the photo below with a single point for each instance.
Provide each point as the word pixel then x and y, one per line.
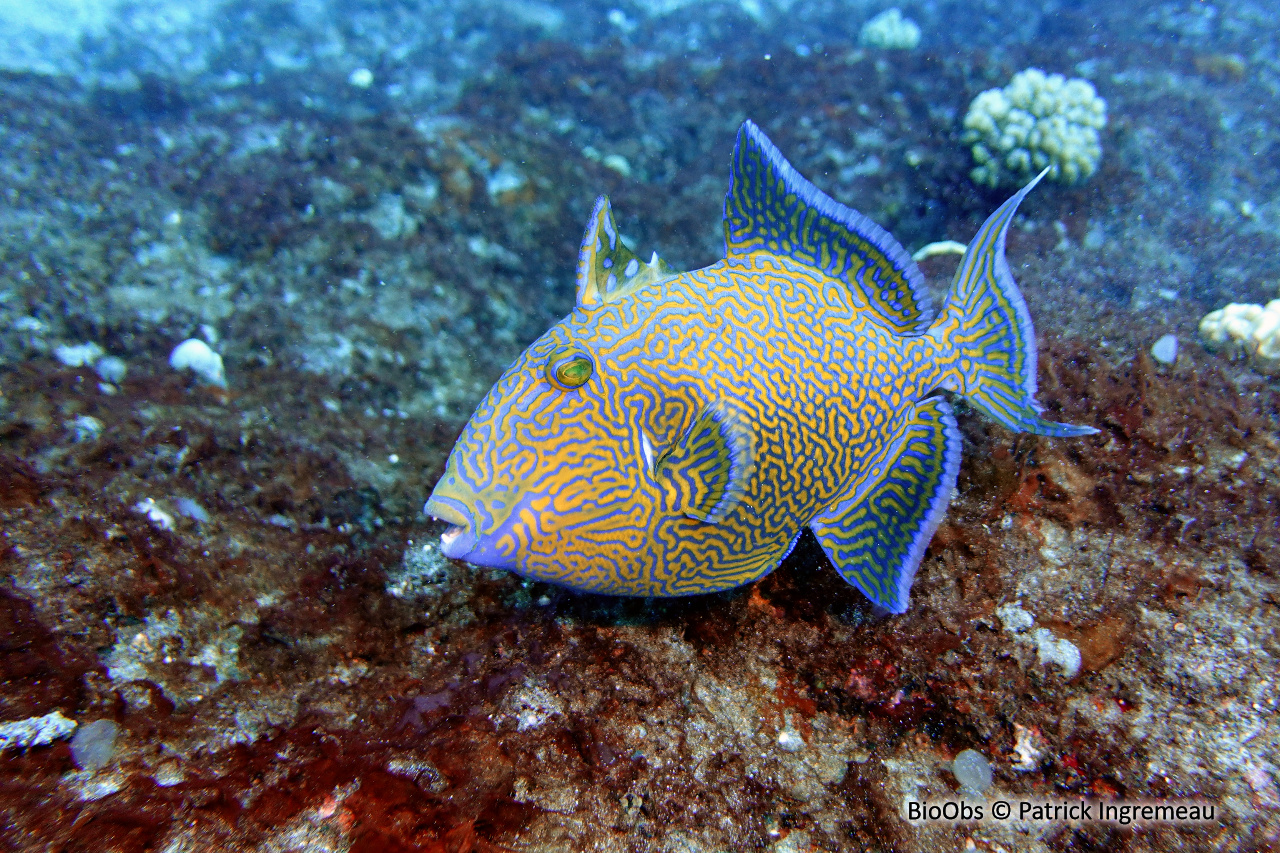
pixel 287 670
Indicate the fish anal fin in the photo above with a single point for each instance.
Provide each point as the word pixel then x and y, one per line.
pixel 705 472
pixel 877 536
pixel 607 269
pixel 772 208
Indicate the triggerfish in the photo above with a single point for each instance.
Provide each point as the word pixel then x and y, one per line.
pixel 677 431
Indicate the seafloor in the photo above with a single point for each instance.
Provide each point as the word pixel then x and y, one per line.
pixel 242 579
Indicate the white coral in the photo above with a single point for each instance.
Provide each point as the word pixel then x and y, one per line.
pixel 890 30
pixel 1251 330
pixel 1038 121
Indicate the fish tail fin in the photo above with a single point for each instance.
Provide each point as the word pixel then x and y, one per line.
pixel 990 327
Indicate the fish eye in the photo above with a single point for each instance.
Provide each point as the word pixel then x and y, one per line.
pixel 569 370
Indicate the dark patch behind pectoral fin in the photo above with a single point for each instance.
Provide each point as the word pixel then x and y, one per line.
pixel 706 472
pixel 877 539
pixel 607 269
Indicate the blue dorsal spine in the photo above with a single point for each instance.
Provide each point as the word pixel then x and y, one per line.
pixel 771 207
pixel 607 269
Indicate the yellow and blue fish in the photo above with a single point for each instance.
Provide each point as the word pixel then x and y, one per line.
pixel 676 432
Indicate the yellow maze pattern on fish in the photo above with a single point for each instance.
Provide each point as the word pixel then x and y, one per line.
pixel 783 346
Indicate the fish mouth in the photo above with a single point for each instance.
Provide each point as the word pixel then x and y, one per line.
pixel 459 539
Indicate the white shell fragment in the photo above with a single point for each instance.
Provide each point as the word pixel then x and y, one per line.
pixel 939 247
pixel 1029 747
pixel 154 513
pixel 94 745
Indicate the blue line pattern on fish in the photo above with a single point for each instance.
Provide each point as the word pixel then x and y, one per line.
pixel 676 432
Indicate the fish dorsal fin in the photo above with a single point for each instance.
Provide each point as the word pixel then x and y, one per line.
pixel 607 269
pixel 706 471
pixel 772 208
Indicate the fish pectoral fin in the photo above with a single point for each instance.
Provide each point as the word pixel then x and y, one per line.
pixel 607 269
pixel 877 536
pixel 705 472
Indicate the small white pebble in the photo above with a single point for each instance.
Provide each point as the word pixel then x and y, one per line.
pixel 394 458
pixel 78 355
pixel 1165 350
pixel 617 163
pixel 29 324
pixel 111 369
pixel 192 510
pixel 972 771
pixel 85 428
pixel 168 775
pixel 790 741
pixel 154 513
pixel 619 19
pixel 94 745
pixel 361 78
pixel 195 355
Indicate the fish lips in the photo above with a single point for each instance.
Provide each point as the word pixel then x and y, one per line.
pixel 496 548
pixel 460 539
